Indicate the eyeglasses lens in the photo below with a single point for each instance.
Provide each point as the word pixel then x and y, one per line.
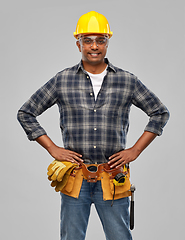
pixel 87 41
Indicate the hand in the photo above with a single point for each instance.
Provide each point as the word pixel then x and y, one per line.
pixel 123 157
pixel 63 154
pixel 59 153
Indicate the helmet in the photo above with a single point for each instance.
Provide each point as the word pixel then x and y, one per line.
pixel 92 22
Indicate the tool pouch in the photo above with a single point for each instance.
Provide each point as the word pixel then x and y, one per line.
pixel 74 183
pixel 111 191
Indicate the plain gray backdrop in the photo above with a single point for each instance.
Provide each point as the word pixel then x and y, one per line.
pixel 36 42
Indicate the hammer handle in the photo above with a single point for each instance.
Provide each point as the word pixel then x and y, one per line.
pixel 131 215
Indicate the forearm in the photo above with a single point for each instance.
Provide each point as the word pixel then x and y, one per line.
pixel 145 139
pixel 45 142
pixel 130 154
pixel 58 153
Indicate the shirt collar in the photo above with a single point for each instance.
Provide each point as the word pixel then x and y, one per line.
pixel 109 68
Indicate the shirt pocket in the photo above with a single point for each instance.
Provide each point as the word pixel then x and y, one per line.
pixel 78 98
pixel 115 99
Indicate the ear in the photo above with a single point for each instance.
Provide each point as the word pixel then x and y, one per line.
pixel 78 45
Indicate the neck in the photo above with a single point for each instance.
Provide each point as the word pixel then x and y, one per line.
pixel 95 69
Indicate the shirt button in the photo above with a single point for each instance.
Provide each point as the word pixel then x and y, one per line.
pixel 94 146
pixel 87 76
pixel 91 94
pixel 95 129
pixel 94 110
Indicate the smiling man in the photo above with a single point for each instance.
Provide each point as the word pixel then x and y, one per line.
pixel 94 99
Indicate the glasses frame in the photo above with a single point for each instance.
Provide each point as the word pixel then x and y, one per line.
pixel 93 38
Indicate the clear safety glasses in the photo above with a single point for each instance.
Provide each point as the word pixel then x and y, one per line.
pixel 89 40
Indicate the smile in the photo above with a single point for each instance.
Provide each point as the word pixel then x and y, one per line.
pixel 94 54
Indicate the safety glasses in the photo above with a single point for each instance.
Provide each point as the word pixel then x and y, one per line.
pixel 87 41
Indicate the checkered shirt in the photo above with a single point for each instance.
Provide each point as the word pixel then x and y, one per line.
pixel 95 129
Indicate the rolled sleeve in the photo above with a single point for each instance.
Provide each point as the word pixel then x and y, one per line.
pixel 147 101
pixel 158 120
pixel 40 101
pixel 30 125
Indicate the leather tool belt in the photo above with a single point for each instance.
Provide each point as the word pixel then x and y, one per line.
pixel 67 178
pixel 91 172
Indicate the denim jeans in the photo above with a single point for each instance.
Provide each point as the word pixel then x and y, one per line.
pixel 75 214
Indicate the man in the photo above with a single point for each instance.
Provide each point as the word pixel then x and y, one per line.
pixel 94 98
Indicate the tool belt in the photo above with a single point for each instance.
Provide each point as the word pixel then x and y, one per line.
pixel 72 179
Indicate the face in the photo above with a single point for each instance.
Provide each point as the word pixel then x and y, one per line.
pixel 93 48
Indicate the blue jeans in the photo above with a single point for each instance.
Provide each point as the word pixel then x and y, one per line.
pixel 75 214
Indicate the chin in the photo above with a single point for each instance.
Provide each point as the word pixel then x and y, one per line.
pixel 96 60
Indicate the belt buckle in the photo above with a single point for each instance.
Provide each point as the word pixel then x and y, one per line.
pixel 92 168
pixel 91 172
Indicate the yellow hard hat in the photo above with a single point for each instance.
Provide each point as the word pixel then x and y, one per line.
pixel 92 22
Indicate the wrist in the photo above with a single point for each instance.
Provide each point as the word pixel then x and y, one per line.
pixel 137 150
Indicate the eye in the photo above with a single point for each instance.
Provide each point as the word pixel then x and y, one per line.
pixel 101 40
pixel 87 40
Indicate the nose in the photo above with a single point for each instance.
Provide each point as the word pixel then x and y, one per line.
pixel 94 45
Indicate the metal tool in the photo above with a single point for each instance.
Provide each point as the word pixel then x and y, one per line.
pixel 132 189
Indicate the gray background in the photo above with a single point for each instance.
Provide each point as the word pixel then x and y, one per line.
pixel 36 42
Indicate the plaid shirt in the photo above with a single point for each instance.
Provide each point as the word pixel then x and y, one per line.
pixel 95 129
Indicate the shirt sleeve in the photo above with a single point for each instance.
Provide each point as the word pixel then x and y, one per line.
pixel 40 101
pixel 147 101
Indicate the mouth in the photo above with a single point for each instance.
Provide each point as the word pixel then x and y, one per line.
pixel 94 54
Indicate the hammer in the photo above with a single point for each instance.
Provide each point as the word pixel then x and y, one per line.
pixel 132 189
